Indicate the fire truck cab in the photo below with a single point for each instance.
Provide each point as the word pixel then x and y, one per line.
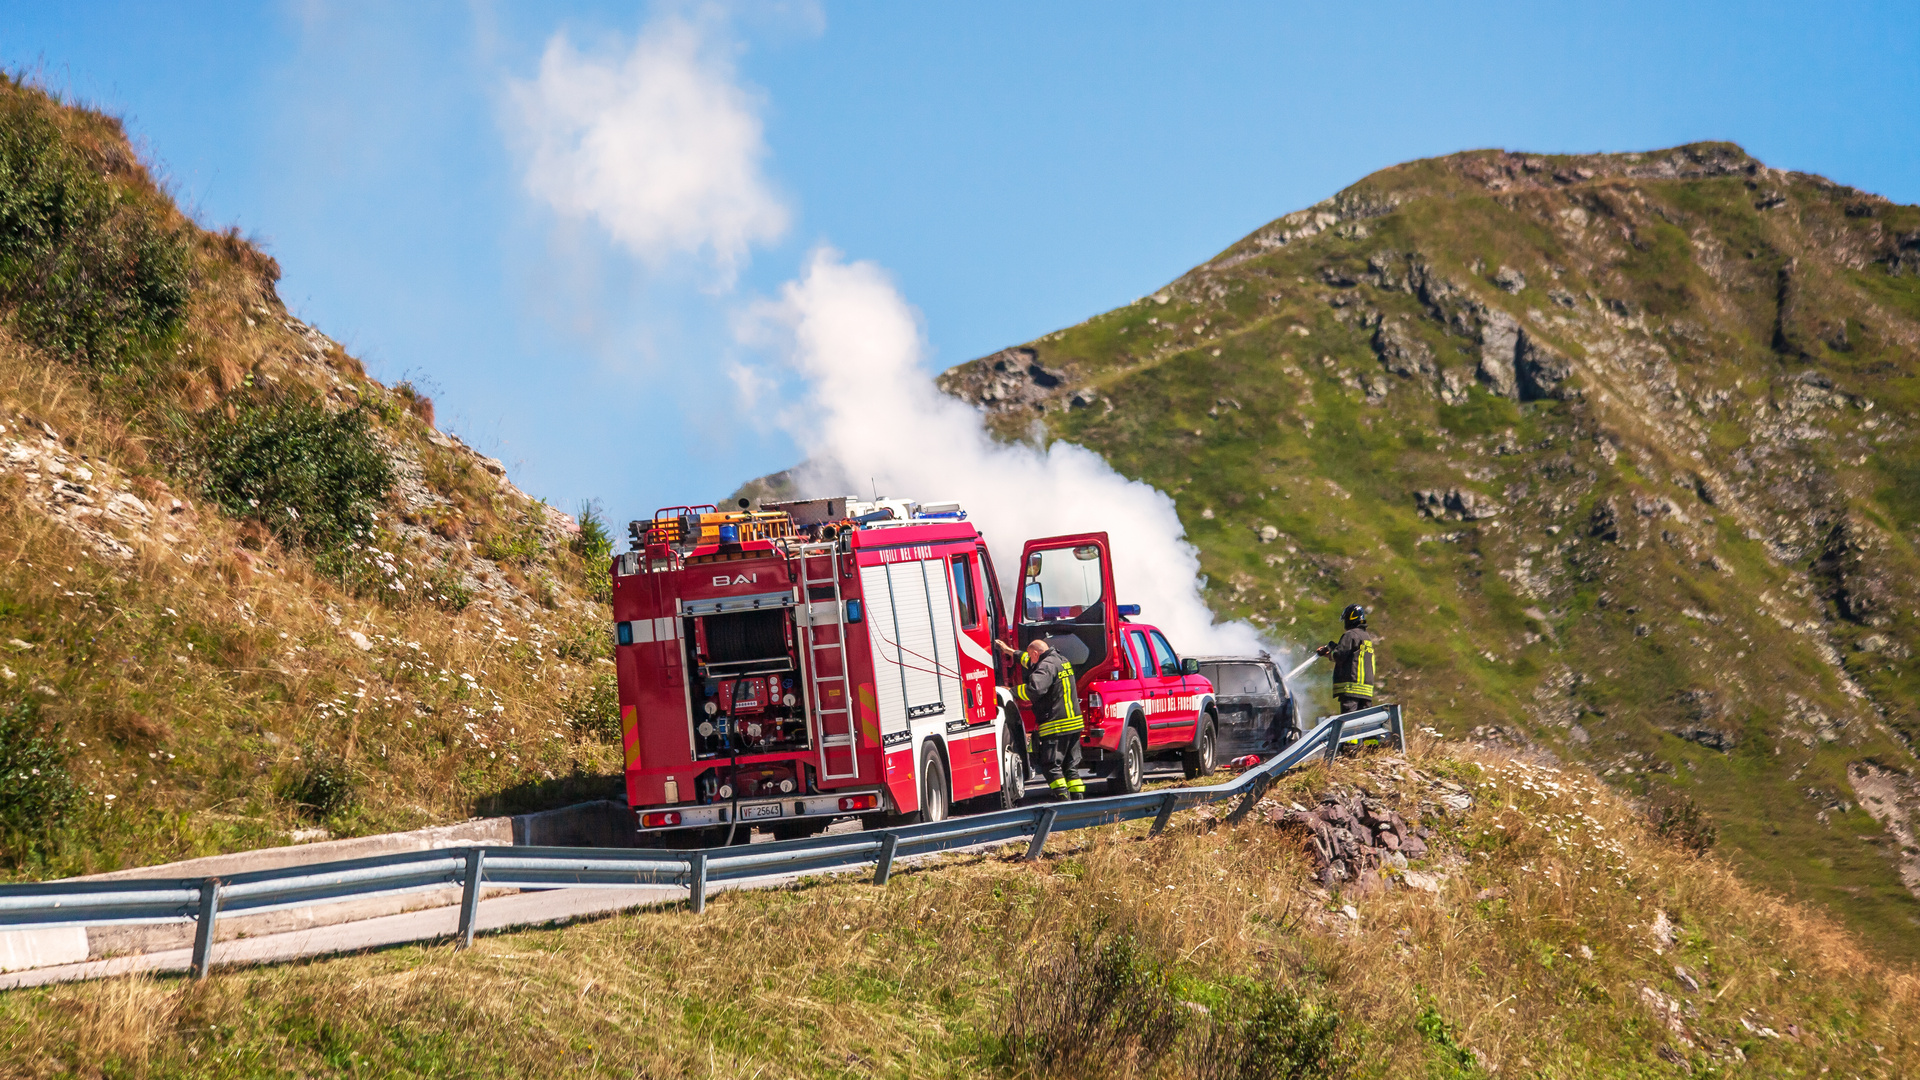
pixel 1140 698
pixel 809 661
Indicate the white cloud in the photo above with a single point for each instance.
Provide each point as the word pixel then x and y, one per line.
pixel 662 147
pixel 871 415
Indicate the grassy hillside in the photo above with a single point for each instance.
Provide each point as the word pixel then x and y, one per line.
pixel 247 593
pixel 1549 934
pixel 1620 448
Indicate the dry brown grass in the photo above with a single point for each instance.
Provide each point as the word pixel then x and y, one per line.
pixel 913 979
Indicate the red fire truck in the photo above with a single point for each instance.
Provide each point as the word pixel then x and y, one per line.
pixel 807 661
pixel 1141 700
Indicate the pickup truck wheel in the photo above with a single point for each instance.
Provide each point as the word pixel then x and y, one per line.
pixel 1198 762
pixel 1130 772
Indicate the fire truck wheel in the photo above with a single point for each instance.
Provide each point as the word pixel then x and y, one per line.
pixel 936 794
pixel 1013 775
pixel 1130 772
pixel 1198 762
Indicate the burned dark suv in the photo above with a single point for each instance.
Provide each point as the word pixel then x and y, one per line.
pixel 1256 709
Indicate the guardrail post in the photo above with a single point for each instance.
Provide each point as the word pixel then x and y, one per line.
pixel 697 882
pixel 1040 830
pixel 470 896
pixel 1252 798
pixel 1333 738
pixel 884 868
pixel 203 934
pixel 1399 729
pixel 1165 815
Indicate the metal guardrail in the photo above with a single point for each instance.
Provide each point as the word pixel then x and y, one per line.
pixel 203 900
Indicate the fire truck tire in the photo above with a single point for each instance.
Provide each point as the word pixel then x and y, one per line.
pixel 1198 762
pixel 1013 782
pixel 1130 764
pixel 1013 771
pixel 936 794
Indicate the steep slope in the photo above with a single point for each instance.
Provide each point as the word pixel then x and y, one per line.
pixel 1620 448
pixel 246 592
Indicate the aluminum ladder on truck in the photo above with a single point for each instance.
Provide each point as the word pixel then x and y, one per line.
pixel 831 737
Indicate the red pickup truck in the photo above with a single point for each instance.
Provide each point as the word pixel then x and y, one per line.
pixel 1141 700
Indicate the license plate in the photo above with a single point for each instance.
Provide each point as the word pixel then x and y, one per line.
pixel 764 810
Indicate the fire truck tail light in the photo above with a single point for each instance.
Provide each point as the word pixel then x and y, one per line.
pixel 1093 700
pixel 659 820
pixel 859 802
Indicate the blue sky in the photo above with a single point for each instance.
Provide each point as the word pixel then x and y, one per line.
pixel 1013 167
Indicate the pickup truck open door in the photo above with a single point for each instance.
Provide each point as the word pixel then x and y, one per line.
pixel 1066 596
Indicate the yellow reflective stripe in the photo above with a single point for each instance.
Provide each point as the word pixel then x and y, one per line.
pixel 1064 726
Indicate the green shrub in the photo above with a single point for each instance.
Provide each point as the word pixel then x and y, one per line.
pixel 585 641
pixel 522 543
pixel 324 787
pixel 1271 1033
pixel 1680 821
pixel 37 794
pixel 1099 1006
pixel 594 545
pixel 311 476
pixel 88 272
pixel 594 709
pixel 1452 1061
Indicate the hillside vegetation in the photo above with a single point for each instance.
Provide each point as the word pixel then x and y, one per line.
pixel 1619 448
pixel 1549 932
pixel 247 593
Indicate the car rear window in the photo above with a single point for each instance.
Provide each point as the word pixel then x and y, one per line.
pixel 1240 680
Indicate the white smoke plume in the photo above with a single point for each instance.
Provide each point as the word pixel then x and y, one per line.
pixel 871 415
pixel 663 147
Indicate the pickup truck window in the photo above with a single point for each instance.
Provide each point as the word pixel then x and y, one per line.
pixel 1140 654
pixel 1062 596
pixel 1063 584
pixel 1164 657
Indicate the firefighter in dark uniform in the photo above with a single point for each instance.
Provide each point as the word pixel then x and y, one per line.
pixel 1047 685
pixel 1354 677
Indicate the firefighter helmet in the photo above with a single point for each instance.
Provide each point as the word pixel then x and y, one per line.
pixel 1355 615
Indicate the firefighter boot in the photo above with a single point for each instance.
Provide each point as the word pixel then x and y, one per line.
pixel 1058 789
pixel 1076 789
